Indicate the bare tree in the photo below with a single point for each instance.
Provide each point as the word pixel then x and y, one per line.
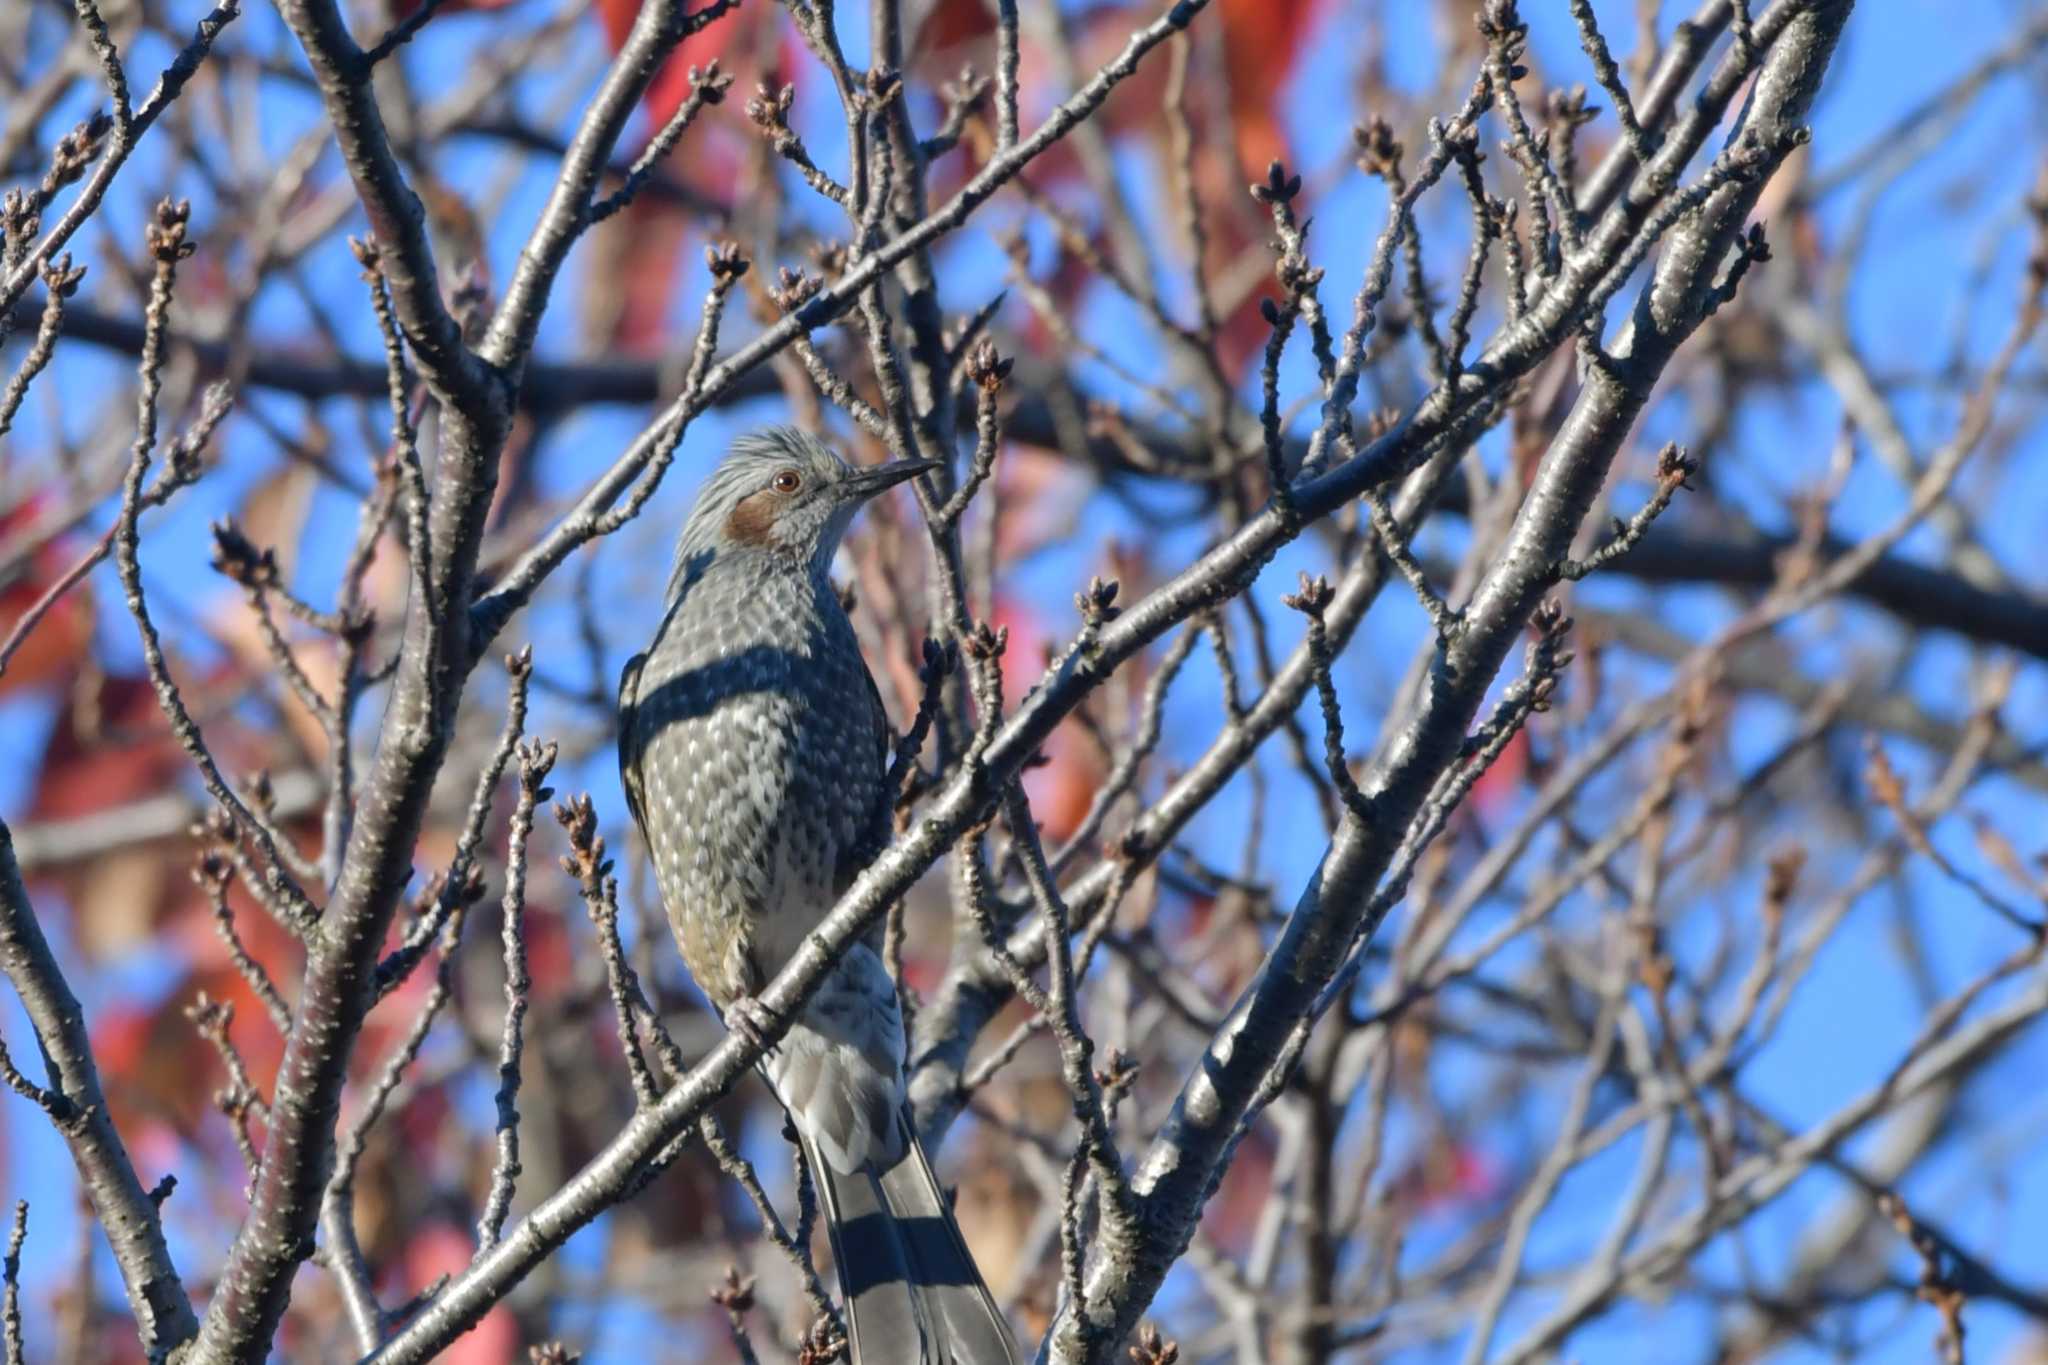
pixel 1388 898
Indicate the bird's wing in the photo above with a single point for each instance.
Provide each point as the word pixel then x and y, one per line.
pixel 885 798
pixel 881 714
pixel 629 746
pixel 877 823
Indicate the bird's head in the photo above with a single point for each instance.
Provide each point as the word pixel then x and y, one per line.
pixel 783 492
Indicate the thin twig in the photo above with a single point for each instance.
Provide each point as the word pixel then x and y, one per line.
pixel 239 1099
pixel 535 760
pixel 10 1273
pixel 585 862
pixel 1313 601
pixel 1674 471
pixel 168 246
pixel 1640 144
pixel 212 874
pixel 707 87
pixel 461 885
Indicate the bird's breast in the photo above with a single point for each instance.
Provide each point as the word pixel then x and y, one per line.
pixel 758 756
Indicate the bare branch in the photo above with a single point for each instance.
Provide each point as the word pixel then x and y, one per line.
pixel 163 1313
pixel 535 761
pixel 495 607
pixel 10 1273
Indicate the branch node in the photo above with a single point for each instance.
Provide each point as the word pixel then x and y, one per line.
pixel 1675 470
pixel 1153 1349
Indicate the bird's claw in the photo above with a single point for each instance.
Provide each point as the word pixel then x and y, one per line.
pixel 751 1020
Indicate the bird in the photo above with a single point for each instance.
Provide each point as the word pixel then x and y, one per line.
pixel 753 748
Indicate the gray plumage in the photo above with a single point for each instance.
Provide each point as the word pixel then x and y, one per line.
pixel 753 747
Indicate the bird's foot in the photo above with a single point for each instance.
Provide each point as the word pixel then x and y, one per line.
pixel 751 1020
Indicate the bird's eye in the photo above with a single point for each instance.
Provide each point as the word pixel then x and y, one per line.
pixel 788 481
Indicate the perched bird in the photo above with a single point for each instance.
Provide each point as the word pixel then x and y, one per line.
pixel 753 748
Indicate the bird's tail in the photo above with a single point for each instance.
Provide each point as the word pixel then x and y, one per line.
pixel 913 1295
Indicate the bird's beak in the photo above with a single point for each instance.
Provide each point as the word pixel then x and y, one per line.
pixel 865 483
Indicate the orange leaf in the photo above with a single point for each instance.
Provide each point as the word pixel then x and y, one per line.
pixel 1064 786
pixel 1261 39
pixel 440 1249
pixel 107 749
pixel 633 285
pixel 1500 782
pixel 954 21
pixel 671 84
pixel 53 649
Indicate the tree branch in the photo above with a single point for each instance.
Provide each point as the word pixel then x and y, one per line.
pixel 163 1313
pixel 1184 1164
pixel 397 218
pixel 1918 595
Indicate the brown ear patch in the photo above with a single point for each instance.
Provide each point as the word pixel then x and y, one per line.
pixel 754 517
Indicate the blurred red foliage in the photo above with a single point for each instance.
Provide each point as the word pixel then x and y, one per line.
pixel 55 646
pixel 636 277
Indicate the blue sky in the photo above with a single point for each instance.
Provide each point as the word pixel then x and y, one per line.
pixel 1852 1019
